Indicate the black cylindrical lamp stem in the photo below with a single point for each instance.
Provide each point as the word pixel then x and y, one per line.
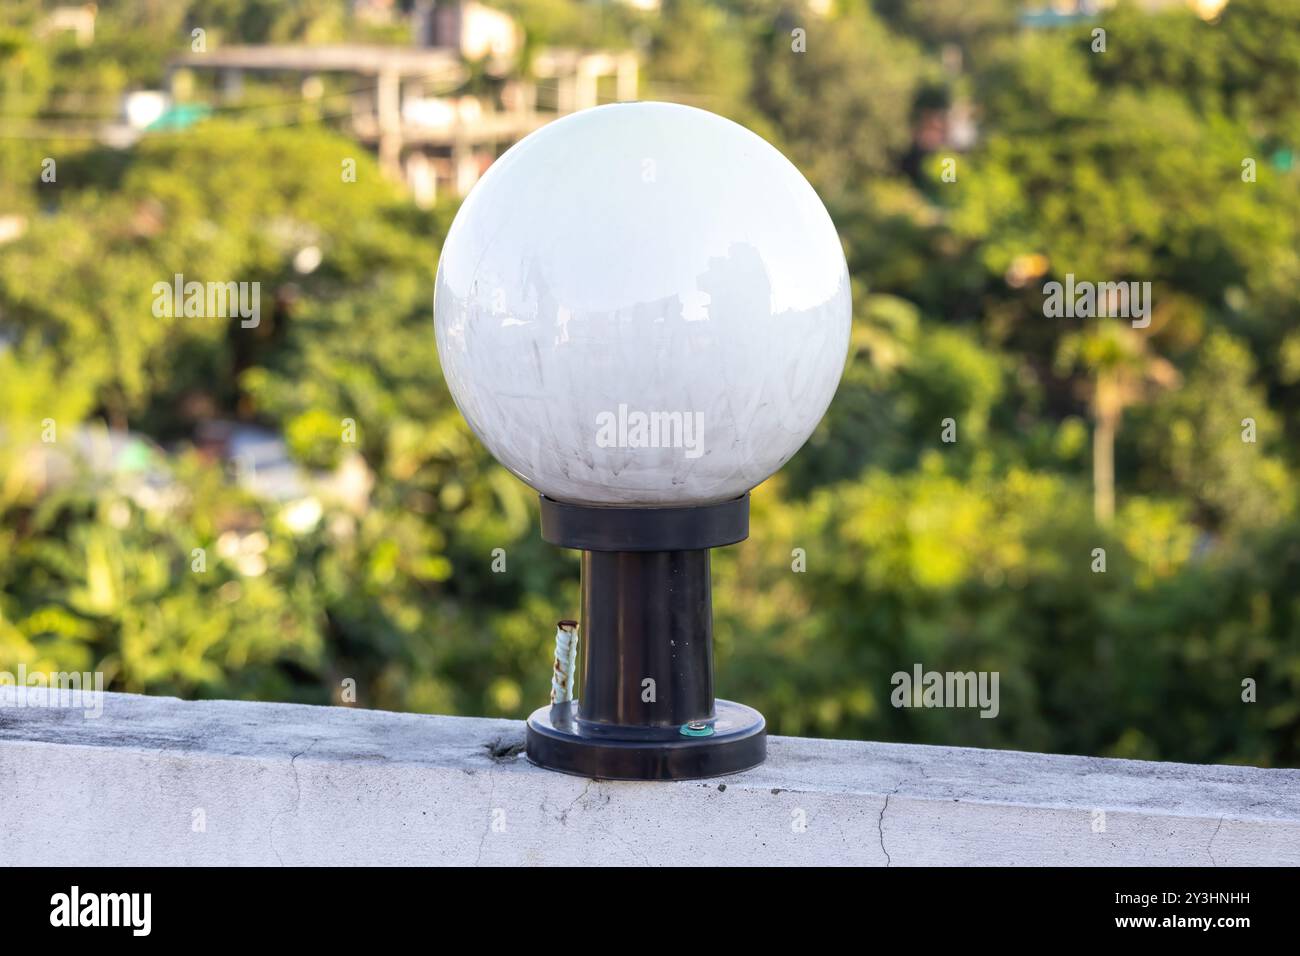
pixel 647 645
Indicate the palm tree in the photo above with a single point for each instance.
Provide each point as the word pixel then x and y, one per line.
pixel 1122 370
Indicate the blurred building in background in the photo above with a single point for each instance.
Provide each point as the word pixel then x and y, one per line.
pixel 77 20
pixel 437 112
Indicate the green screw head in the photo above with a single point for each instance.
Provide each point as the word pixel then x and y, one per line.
pixel 697 728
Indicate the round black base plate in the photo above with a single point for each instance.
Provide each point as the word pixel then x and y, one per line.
pixel 738 742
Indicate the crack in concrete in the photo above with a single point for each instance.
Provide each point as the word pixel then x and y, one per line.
pixel 880 823
pixel 880 830
pixel 564 814
pixel 492 789
pixel 1213 861
pixel 297 800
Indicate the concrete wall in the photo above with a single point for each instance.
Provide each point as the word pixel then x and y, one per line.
pixel 161 781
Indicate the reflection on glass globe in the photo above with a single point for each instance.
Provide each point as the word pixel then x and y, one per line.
pixel 642 304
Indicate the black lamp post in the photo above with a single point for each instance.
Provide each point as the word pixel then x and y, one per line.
pixel 647 710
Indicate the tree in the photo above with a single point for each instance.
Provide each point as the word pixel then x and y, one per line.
pixel 1121 370
pixel 843 108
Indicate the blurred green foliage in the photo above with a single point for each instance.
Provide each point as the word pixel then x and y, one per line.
pixel 429 587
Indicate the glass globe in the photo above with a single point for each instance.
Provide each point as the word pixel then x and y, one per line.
pixel 642 304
